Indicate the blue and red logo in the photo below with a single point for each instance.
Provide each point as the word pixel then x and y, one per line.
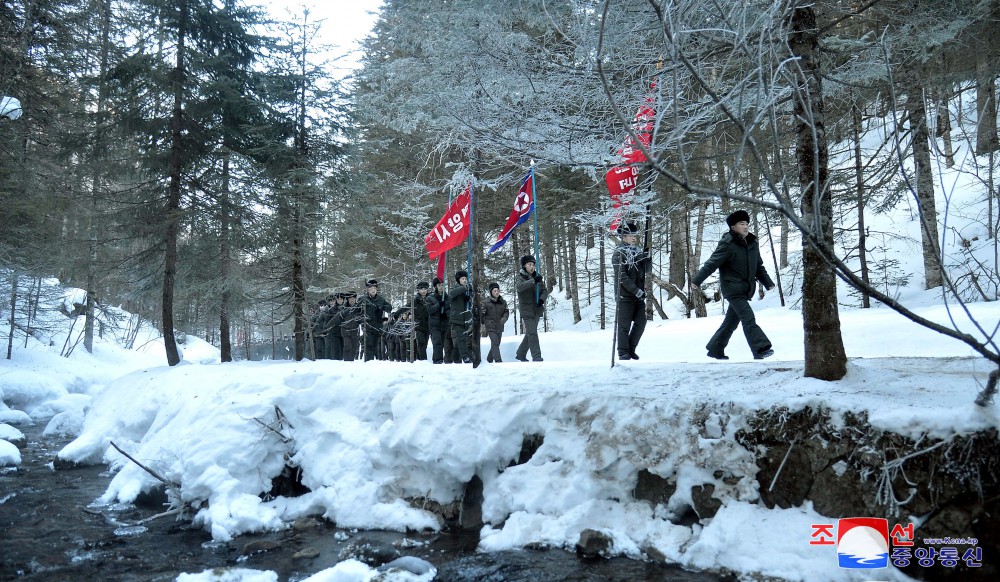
pixel 863 542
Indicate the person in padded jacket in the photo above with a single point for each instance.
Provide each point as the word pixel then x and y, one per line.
pixel 631 265
pixel 531 296
pixel 495 314
pixel 738 261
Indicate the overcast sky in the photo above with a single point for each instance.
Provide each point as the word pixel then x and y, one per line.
pixel 344 22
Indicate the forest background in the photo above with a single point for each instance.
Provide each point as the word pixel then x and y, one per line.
pixel 199 164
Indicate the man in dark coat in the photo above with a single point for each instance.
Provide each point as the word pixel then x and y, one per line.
pixel 631 264
pixel 738 260
pixel 376 310
pixel 438 321
pixel 460 315
pixel 531 296
pixel 424 305
pixel 317 326
pixel 334 339
pixel 495 314
pixel 349 318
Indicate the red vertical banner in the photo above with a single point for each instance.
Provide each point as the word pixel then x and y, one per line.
pixel 623 179
pixel 452 229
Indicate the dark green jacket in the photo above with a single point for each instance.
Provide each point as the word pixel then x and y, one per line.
pixel 495 313
pixel 739 264
pixel 374 308
pixel 458 305
pixel 631 265
pixel 527 290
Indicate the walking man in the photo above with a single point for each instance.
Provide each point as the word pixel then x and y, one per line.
pixel 461 315
pixel 495 314
pixel 438 320
pixel 738 260
pixel 375 308
pixel 631 264
pixel 425 306
pixel 531 296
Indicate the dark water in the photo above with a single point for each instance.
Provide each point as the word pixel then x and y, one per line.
pixel 49 530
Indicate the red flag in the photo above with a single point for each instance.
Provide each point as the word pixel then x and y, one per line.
pixel 452 229
pixel 622 180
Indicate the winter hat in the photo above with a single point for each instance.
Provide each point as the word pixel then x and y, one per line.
pixel 460 274
pixel 371 283
pixel 629 227
pixel 350 295
pixel 738 216
pixel 527 259
pixel 437 282
pixel 423 285
pixel 321 302
pixel 493 286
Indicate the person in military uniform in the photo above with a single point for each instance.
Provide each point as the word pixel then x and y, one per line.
pixel 350 318
pixel 425 306
pixel 438 323
pixel 631 265
pixel 375 309
pixel 316 321
pixel 334 339
pixel 495 314
pixel 531 296
pixel 460 315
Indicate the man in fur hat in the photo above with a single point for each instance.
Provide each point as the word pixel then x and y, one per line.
pixel 425 307
pixel 349 319
pixel 531 296
pixel 738 261
pixel 495 314
pixel 631 264
pixel 438 320
pixel 375 309
pixel 461 315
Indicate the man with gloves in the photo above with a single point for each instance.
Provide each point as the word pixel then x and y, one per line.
pixel 531 296
pixel 631 264
pixel 738 260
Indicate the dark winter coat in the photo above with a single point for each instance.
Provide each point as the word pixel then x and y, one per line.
pixel 440 318
pixel 334 327
pixel 631 264
pixel 458 305
pixel 739 264
pixel 495 313
pixel 424 308
pixel 526 294
pixel 374 309
pixel 349 320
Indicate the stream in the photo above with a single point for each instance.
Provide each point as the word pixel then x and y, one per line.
pixel 52 529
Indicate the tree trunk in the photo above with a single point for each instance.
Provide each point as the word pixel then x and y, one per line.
pixel 859 188
pixel 986 108
pixel 825 358
pixel 225 341
pixel 925 188
pixel 572 279
pixel 13 309
pixel 944 129
pixel 602 264
pixel 679 220
pixel 95 177
pixel 174 195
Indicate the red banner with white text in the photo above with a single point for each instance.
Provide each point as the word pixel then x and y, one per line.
pixel 452 229
pixel 623 179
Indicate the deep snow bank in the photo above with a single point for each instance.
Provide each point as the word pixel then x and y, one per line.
pixel 378 445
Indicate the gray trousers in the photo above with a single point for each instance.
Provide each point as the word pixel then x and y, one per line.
pixel 530 341
pixel 631 323
pixel 739 312
pixel 494 355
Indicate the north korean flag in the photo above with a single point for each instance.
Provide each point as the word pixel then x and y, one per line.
pixel 524 205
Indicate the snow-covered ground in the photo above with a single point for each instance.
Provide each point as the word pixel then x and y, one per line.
pixel 368 434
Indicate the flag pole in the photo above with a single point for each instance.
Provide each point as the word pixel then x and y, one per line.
pixel 534 200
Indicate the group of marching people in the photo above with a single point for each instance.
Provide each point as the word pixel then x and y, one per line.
pixel 345 327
